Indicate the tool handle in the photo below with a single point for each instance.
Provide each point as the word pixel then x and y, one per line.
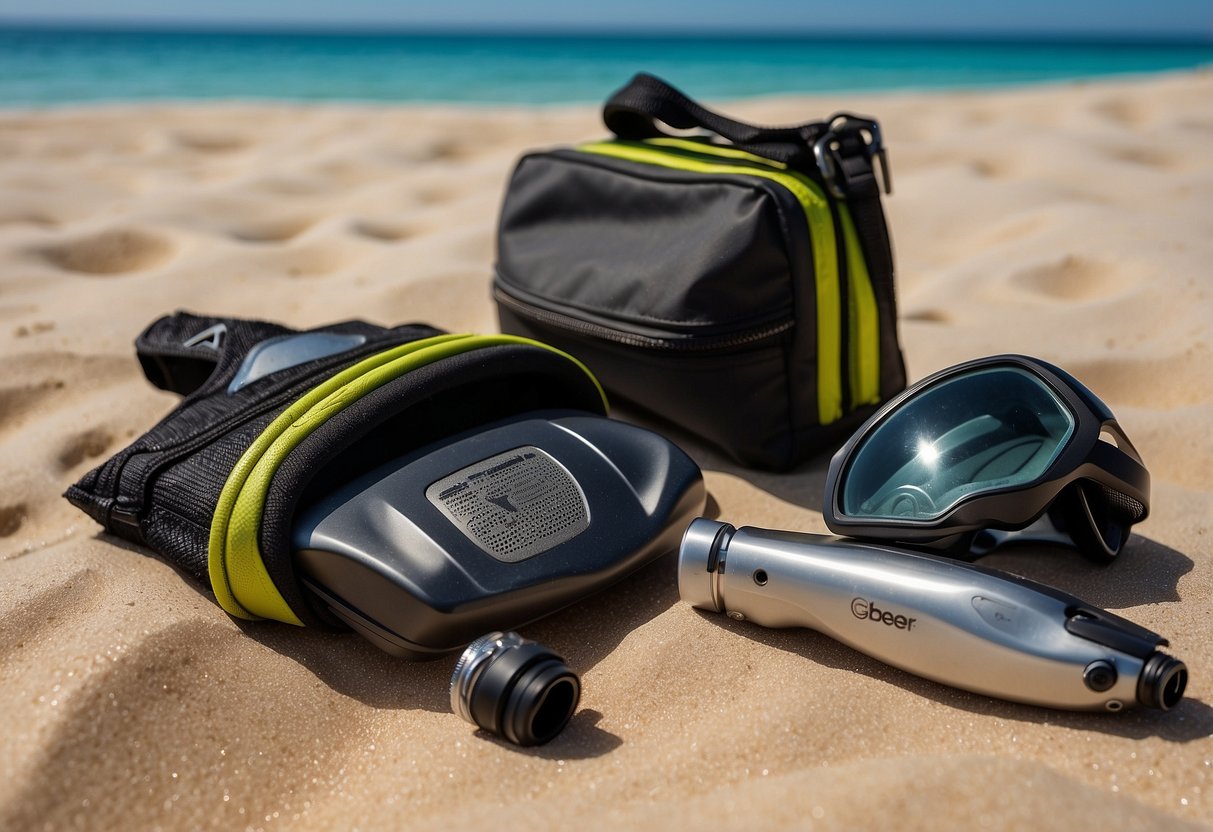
pixel 964 626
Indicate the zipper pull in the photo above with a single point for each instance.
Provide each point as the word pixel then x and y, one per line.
pixel 125 523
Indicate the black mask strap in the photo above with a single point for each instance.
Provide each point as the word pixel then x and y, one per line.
pixel 1097 518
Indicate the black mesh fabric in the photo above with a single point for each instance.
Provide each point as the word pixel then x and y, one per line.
pixel 163 489
pixel 1121 506
pixel 202 425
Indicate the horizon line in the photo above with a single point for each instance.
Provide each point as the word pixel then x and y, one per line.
pixel 490 30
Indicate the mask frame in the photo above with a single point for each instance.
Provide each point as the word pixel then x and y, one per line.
pixel 1089 496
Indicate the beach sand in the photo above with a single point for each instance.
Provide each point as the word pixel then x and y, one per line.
pixel 1073 222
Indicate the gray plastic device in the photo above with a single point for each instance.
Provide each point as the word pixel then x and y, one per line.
pixel 494 528
pixel 978 629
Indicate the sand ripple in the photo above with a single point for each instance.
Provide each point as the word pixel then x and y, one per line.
pixel 110 252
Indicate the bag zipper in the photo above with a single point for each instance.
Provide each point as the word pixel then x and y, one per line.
pixel 685 343
pixel 858 323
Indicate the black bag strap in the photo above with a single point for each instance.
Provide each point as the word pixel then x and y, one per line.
pixel 841 147
pixel 854 178
pixel 633 111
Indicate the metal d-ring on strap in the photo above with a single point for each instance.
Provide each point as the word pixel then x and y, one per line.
pixel 827 150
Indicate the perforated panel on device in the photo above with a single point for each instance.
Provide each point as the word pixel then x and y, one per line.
pixel 513 505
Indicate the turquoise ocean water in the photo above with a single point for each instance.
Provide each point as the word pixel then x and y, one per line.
pixel 48 67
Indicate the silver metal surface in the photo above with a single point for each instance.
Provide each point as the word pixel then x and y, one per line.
pixel 696 584
pixel 954 624
pixel 471 664
pixel 514 504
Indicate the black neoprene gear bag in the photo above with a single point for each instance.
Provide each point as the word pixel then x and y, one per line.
pixel 270 414
pixel 737 283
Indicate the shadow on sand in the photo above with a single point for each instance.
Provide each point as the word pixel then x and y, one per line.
pixel 1190 720
pixel 583 634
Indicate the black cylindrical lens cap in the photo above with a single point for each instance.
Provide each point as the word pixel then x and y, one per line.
pixel 1162 682
pixel 516 689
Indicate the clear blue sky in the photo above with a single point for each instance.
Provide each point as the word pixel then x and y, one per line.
pixel 1169 18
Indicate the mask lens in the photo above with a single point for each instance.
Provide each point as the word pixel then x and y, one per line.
pixel 982 431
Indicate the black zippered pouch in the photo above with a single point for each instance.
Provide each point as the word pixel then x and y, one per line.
pixel 272 418
pixel 741 289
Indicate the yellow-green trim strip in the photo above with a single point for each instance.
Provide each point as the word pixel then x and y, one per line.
pixel 241 583
pixel 825 266
pixel 716 150
pixel 864 320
